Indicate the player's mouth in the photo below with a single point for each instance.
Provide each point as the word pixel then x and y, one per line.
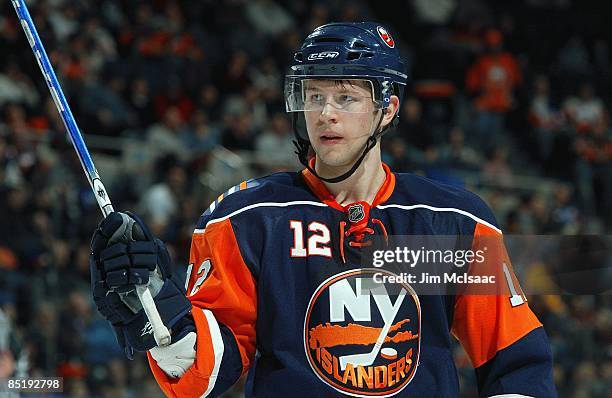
pixel 330 138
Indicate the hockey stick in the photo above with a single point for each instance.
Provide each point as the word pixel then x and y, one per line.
pixel 160 332
pixel 368 358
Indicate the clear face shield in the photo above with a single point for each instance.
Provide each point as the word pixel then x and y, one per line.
pixel 314 93
pixel 309 97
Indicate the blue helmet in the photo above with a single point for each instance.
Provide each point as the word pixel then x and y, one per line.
pixel 352 50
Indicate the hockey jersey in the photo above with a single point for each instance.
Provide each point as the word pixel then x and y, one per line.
pixel 276 293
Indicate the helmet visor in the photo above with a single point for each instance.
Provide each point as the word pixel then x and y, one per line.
pixel 344 94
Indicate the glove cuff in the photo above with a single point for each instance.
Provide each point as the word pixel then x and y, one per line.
pixel 175 359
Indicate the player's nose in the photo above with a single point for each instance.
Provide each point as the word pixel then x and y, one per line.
pixel 328 113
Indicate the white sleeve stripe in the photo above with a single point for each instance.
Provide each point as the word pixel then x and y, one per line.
pixel 451 209
pixel 253 206
pixel 218 348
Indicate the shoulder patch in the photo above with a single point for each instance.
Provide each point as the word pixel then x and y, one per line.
pixel 240 187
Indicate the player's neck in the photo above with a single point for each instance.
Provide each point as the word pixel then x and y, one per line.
pixel 362 185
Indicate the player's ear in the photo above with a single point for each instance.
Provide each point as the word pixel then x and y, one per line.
pixel 390 111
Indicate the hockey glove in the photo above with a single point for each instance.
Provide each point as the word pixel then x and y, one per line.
pixel 124 253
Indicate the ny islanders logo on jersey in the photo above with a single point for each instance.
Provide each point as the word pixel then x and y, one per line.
pixel 361 337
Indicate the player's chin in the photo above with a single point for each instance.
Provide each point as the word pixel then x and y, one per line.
pixel 335 158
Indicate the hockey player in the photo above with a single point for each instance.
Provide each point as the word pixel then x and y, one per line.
pixel 274 284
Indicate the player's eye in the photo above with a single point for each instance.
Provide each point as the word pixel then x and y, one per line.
pixel 346 99
pixel 315 98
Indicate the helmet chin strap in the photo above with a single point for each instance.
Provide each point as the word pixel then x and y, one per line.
pixel 303 146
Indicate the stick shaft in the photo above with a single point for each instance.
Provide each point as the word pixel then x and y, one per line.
pixel 62 106
pixel 162 336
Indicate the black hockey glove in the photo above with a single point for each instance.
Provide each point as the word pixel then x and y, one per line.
pixel 124 253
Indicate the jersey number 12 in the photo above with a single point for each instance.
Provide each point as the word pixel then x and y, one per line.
pixel 317 243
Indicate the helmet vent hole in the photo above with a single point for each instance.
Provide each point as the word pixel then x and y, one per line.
pixel 368 54
pixel 359 44
pixel 328 40
pixel 299 57
pixel 353 55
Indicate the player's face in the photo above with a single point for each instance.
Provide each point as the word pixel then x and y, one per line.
pixel 340 118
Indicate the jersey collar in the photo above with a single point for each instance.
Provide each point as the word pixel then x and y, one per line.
pixel 320 190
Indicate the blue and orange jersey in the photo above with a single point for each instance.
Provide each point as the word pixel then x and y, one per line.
pixel 278 293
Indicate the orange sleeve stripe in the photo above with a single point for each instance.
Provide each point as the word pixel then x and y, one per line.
pixel 229 291
pixel 486 324
pixel 196 381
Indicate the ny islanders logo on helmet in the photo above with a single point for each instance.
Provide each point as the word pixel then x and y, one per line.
pixel 382 32
pixel 362 337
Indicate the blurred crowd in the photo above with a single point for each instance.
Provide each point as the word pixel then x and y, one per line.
pixel 509 100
